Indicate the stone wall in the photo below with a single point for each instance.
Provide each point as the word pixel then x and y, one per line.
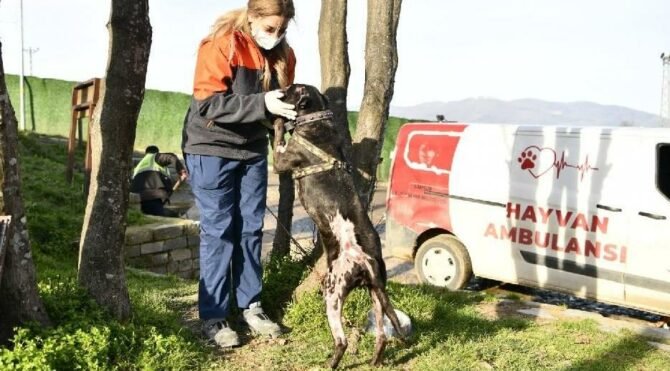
pixel 168 246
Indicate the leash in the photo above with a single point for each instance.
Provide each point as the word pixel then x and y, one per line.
pixel 295 242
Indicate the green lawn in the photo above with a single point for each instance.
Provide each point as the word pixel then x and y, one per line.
pixel 450 332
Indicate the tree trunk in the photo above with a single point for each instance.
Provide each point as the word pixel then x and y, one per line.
pixel 101 267
pixel 4 226
pixel 19 299
pixel 281 245
pixel 381 62
pixel 335 71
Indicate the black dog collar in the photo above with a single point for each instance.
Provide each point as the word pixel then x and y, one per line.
pixel 314 116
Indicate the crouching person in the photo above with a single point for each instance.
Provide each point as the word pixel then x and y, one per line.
pixel 151 179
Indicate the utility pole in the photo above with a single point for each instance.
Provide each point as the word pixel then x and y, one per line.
pixel 30 52
pixel 22 103
pixel 665 91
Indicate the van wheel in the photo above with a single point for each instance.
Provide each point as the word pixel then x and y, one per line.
pixel 443 261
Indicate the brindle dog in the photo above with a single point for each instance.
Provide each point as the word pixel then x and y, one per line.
pixel 315 155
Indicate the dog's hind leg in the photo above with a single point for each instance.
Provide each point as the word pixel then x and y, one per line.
pixel 335 295
pixel 388 310
pixel 380 340
pixel 377 272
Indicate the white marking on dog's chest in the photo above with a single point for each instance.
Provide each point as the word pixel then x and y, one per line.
pixel 351 253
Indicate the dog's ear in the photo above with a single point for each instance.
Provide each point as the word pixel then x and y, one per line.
pixel 325 100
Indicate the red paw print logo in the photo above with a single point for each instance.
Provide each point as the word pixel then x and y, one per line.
pixel 527 159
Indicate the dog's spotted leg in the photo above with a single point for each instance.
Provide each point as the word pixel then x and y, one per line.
pixel 380 340
pixel 387 307
pixel 334 295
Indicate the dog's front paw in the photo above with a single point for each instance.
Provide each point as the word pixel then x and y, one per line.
pixel 280 149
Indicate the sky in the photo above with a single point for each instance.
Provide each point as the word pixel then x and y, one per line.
pixel 602 51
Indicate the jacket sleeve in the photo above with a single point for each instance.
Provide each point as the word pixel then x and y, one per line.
pixel 212 93
pixel 233 108
pixel 166 159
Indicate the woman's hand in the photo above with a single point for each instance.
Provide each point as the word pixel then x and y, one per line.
pixel 274 104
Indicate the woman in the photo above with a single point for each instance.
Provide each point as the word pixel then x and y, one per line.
pixel 240 66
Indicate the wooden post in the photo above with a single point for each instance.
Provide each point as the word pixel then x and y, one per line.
pixel 84 99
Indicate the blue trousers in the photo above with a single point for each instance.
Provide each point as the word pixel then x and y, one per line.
pixel 231 197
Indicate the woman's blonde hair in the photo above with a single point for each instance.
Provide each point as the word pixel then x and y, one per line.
pixel 238 20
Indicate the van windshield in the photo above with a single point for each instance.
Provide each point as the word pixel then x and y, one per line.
pixel 663 169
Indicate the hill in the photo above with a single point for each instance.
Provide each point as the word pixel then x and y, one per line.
pixel 529 112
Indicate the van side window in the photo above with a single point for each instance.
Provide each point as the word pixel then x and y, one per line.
pixel 663 168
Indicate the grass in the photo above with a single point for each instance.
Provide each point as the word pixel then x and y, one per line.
pixel 83 335
pixel 450 334
pixel 450 331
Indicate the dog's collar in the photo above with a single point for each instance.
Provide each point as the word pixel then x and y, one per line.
pixel 311 117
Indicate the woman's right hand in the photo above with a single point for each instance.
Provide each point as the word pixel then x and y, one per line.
pixel 274 104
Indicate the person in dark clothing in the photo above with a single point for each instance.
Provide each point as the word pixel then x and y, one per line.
pixel 151 179
pixel 241 67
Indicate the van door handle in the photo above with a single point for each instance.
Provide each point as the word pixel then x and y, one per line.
pixel 608 208
pixel 653 216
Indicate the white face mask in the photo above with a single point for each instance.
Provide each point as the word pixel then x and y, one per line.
pixel 264 39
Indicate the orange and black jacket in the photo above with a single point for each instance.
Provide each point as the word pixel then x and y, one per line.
pixel 227 107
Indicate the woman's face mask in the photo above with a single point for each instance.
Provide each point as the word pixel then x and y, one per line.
pixel 265 40
pixel 268 31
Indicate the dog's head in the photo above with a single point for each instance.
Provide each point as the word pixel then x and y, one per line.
pixel 306 98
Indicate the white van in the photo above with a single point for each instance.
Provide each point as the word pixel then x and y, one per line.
pixel 580 210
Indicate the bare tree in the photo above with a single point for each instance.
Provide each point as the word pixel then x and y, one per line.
pixel 101 269
pixel 19 299
pixel 335 69
pixel 381 62
pixel 281 245
pixel 335 73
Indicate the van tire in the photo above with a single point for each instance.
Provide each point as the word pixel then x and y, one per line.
pixel 443 251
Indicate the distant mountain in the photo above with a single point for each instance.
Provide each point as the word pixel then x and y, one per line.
pixel 528 112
